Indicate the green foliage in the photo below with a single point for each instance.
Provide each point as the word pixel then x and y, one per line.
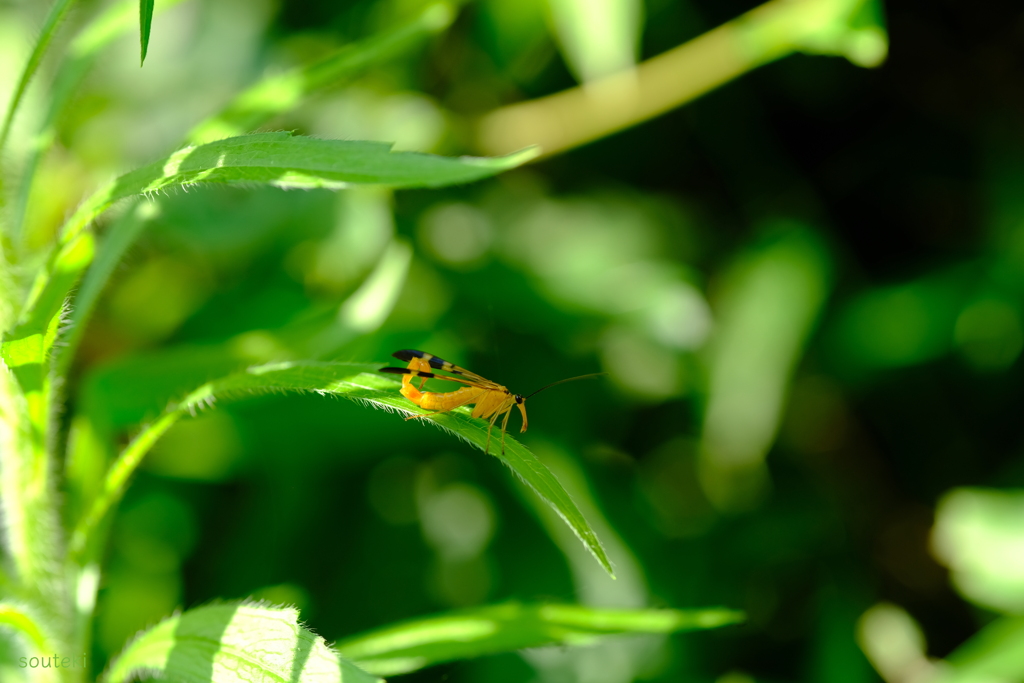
pixel 58 11
pixel 279 93
pixel 145 27
pixel 233 643
pixel 809 317
pixel 501 628
pixel 995 653
pixel 360 383
pixel 34 537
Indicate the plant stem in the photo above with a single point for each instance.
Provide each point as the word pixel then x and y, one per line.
pixel 115 484
pixel 585 113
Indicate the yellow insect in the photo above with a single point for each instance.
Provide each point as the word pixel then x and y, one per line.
pixel 492 400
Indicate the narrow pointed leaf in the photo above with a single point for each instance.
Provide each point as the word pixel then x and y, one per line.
pixel 419 643
pixel 277 159
pixel 355 381
pixel 292 161
pixel 145 26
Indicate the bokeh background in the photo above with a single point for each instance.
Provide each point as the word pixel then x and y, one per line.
pixel 806 288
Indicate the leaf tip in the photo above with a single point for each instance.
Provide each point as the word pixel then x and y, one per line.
pixel 145 26
pixel 524 155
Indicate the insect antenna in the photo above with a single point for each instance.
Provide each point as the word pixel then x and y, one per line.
pixel 563 381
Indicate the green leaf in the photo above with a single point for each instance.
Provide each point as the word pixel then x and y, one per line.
pixel 107 26
pixel 996 653
pixel 32 535
pixel 276 159
pixel 512 626
pixel 145 26
pixel 854 29
pixel 775 293
pixel 21 620
pixel 355 381
pixel 233 643
pixel 291 161
pixel 58 11
pixel 977 533
pixel 598 37
pixel 282 92
pixel 116 242
pixel 26 349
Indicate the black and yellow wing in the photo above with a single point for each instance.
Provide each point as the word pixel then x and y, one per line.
pixel 471 378
pixel 468 378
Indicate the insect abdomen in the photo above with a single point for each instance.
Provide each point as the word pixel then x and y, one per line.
pixel 432 400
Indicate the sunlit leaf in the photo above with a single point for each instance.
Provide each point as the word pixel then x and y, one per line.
pixel 512 626
pixel 233 643
pixel 978 534
pixel 292 161
pixel 276 159
pixel 355 381
pixel 20 620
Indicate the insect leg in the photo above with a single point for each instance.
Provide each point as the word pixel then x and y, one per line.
pixel 504 423
pixel 490 424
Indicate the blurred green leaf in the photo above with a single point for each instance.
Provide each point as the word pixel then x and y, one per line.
pixel 367 308
pixel 57 12
pixel 281 92
pixel 905 324
pixel 145 26
pixel 109 25
pixel 774 295
pixel 979 535
pixel 233 643
pixel 598 37
pixel 854 29
pixel 32 532
pixel 20 620
pixel 893 642
pixel 113 246
pixel 512 626
pixel 996 653
pixel 355 381
pixel 90 449
pixel 629 588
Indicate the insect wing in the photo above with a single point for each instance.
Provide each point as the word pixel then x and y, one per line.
pixel 442 364
pixel 426 375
